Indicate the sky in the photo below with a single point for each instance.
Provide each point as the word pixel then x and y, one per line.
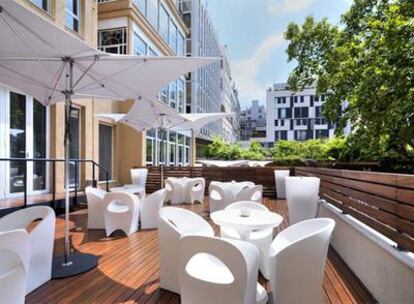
pixel 253 32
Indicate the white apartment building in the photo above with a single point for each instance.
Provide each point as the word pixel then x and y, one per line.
pixel 295 115
pixel 230 102
pixel 204 86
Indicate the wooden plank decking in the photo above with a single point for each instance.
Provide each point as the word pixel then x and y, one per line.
pixel 128 270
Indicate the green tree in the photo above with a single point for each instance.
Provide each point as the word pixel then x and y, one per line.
pixel 368 61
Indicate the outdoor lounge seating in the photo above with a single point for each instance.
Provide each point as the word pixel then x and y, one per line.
pixel 175 223
pixel 298 254
pixel 14 266
pixel 150 208
pixel 96 207
pixel 216 198
pixel 195 190
pixel 261 238
pixel 213 270
pixel 280 183
pixel 41 235
pixel 253 194
pixel 122 212
pixel 302 197
pixel 175 192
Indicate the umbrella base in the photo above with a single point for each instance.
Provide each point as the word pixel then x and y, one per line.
pixel 79 263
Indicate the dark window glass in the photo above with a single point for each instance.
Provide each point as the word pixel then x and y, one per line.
pixel 105 150
pixel 39 145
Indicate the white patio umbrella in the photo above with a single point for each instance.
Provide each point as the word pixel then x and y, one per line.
pixel 145 115
pixel 52 65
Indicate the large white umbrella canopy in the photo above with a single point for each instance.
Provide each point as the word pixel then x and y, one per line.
pixel 145 114
pixel 52 65
pixel 35 55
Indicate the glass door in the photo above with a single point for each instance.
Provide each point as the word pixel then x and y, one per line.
pixel 74 147
pixel 27 138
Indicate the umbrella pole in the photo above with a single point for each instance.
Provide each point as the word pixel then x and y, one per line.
pixel 70 263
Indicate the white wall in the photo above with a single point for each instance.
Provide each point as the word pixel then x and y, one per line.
pixel 386 272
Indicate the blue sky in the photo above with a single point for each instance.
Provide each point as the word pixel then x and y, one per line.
pixel 253 32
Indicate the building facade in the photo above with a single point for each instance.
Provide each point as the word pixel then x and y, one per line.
pixel 296 115
pixel 230 102
pixel 203 85
pixel 253 122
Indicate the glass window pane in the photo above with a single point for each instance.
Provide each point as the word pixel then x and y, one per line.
pixel 173 94
pixel 173 36
pixel 152 12
pixel 105 150
pixel 140 47
pixel 39 145
pixel 164 24
pixel 149 150
pixel 141 5
pixel 17 140
pixel 43 4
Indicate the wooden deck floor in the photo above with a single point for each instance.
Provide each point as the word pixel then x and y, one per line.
pixel 128 270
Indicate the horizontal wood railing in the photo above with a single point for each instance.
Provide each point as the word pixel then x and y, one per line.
pixel 260 175
pixel 383 201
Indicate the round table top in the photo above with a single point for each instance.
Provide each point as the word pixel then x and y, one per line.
pixel 258 219
pixel 129 189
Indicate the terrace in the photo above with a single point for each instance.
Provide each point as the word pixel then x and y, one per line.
pixel 373 238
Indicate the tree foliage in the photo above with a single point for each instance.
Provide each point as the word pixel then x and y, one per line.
pixel 367 61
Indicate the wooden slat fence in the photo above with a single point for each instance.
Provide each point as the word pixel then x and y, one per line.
pixel 260 175
pixel 383 201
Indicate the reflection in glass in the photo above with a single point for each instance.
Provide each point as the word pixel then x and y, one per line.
pixel 17 141
pixel 105 151
pixel 39 145
pixel 74 147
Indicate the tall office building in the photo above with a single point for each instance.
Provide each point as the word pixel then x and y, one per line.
pixel 295 115
pixel 204 86
pixel 230 101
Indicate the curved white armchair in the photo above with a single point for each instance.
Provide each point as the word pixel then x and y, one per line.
pixel 14 265
pixel 96 207
pixel 280 182
pixel 298 254
pixel 173 224
pixel 213 270
pixel 175 192
pixel 253 194
pixel 150 208
pixel 42 238
pixel 302 197
pixel 139 177
pixel 261 238
pixel 195 189
pixel 217 198
pixel 122 212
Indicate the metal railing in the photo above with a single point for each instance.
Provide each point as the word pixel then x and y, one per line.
pixel 53 162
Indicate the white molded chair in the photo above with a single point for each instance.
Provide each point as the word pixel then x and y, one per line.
pixel 217 198
pixel 253 194
pixel 302 197
pixel 173 224
pixel 139 177
pixel 280 182
pixel 122 212
pixel 196 189
pixel 42 238
pixel 175 192
pixel 96 207
pixel 297 261
pixel 213 270
pixel 150 208
pixel 261 238
pixel 14 265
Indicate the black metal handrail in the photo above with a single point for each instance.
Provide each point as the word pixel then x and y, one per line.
pixel 54 161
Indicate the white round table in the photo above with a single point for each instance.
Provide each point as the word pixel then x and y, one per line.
pixel 132 189
pixel 257 220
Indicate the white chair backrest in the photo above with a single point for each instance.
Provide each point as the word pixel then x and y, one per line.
pixel 94 195
pixel 302 196
pixel 14 249
pixel 216 191
pixel 199 285
pixel 198 183
pixel 139 177
pixel 250 193
pixel 247 204
pixel 305 246
pixel 183 221
pixel 157 197
pixel 123 198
